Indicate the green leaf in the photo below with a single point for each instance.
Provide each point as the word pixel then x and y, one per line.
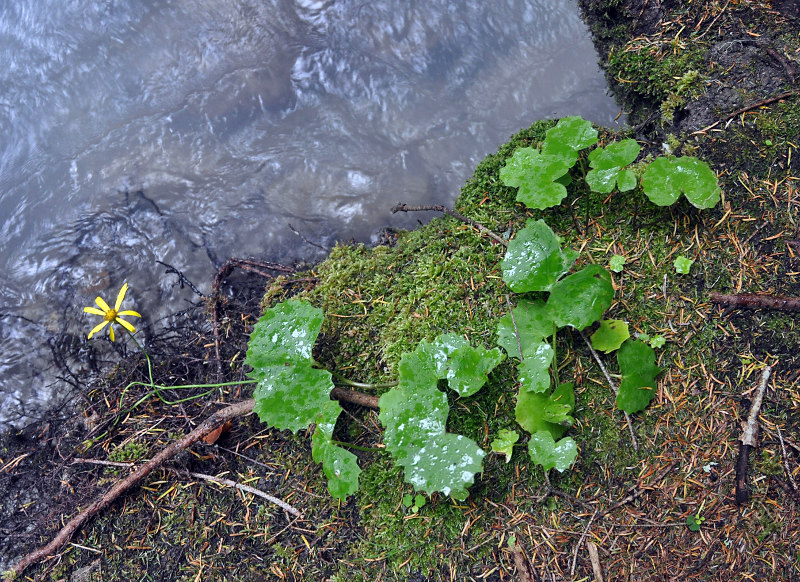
pixel 616 263
pixel 293 397
pixel 504 442
pixel 285 333
pixel 465 368
pixel 658 342
pixel 291 394
pixel 534 260
pixel 550 454
pixel 637 366
pixel 581 298
pixel 610 335
pixel 667 178
pixel 340 466
pixel 546 412
pixel 533 322
pixel 683 265
pixel 570 133
pixel 608 167
pixel 534 370
pixel 536 175
pixel 414 414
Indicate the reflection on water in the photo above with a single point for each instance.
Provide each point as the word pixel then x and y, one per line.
pixel 193 130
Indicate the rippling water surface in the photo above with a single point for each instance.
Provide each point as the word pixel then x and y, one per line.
pixel 188 131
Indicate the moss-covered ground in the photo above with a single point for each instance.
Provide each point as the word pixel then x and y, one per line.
pixel 630 504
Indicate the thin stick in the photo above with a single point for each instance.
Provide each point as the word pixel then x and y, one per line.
pixel 746 109
pixel 580 541
pixel 454 214
pixel 613 388
pixel 748 439
pixel 246 488
pixel 66 533
pixel 786 462
pixel 595 559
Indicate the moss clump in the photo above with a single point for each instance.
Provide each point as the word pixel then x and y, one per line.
pixel 657 74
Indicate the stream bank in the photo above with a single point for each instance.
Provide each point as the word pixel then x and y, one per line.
pixel 379 302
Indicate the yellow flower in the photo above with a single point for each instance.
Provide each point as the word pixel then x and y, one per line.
pixel 111 316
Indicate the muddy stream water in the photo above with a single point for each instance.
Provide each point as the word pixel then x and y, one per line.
pixel 188 131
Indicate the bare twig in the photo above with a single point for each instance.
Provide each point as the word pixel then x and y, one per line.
pixel 756 301
pixel 454 214
pixel 66 533
pixel 748 439
pixel 305 240
pixel 613 388
pixel 580 541
pixel 595 559
pixel 746 109
pixel 247 489
pixel 786 467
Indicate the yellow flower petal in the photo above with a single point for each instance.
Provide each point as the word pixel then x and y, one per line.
pixel 97 328
pixel 111 332
pixel 128 312
pixel 125 324
pixel 121 296
pixel 94 311
pixel 103 305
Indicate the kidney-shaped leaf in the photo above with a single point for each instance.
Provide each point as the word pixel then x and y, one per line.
pixel 608 167
pixel 536 175
pixel 531 321
pixel 581 299
pixel 637 366
pixel 548 412
pixel 534 260
pixel 610 335
pixel 667 178
pixel 285 333
pixel 550 454
pixel 534 370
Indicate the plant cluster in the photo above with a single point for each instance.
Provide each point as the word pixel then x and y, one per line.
pixel 293 392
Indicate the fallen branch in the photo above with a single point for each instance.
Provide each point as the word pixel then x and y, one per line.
pixel 210 424
pixel 66 533
pixel 749 440
pixel 454 214
pixel 756 301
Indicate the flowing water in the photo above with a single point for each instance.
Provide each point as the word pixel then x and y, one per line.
pixel 188 131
